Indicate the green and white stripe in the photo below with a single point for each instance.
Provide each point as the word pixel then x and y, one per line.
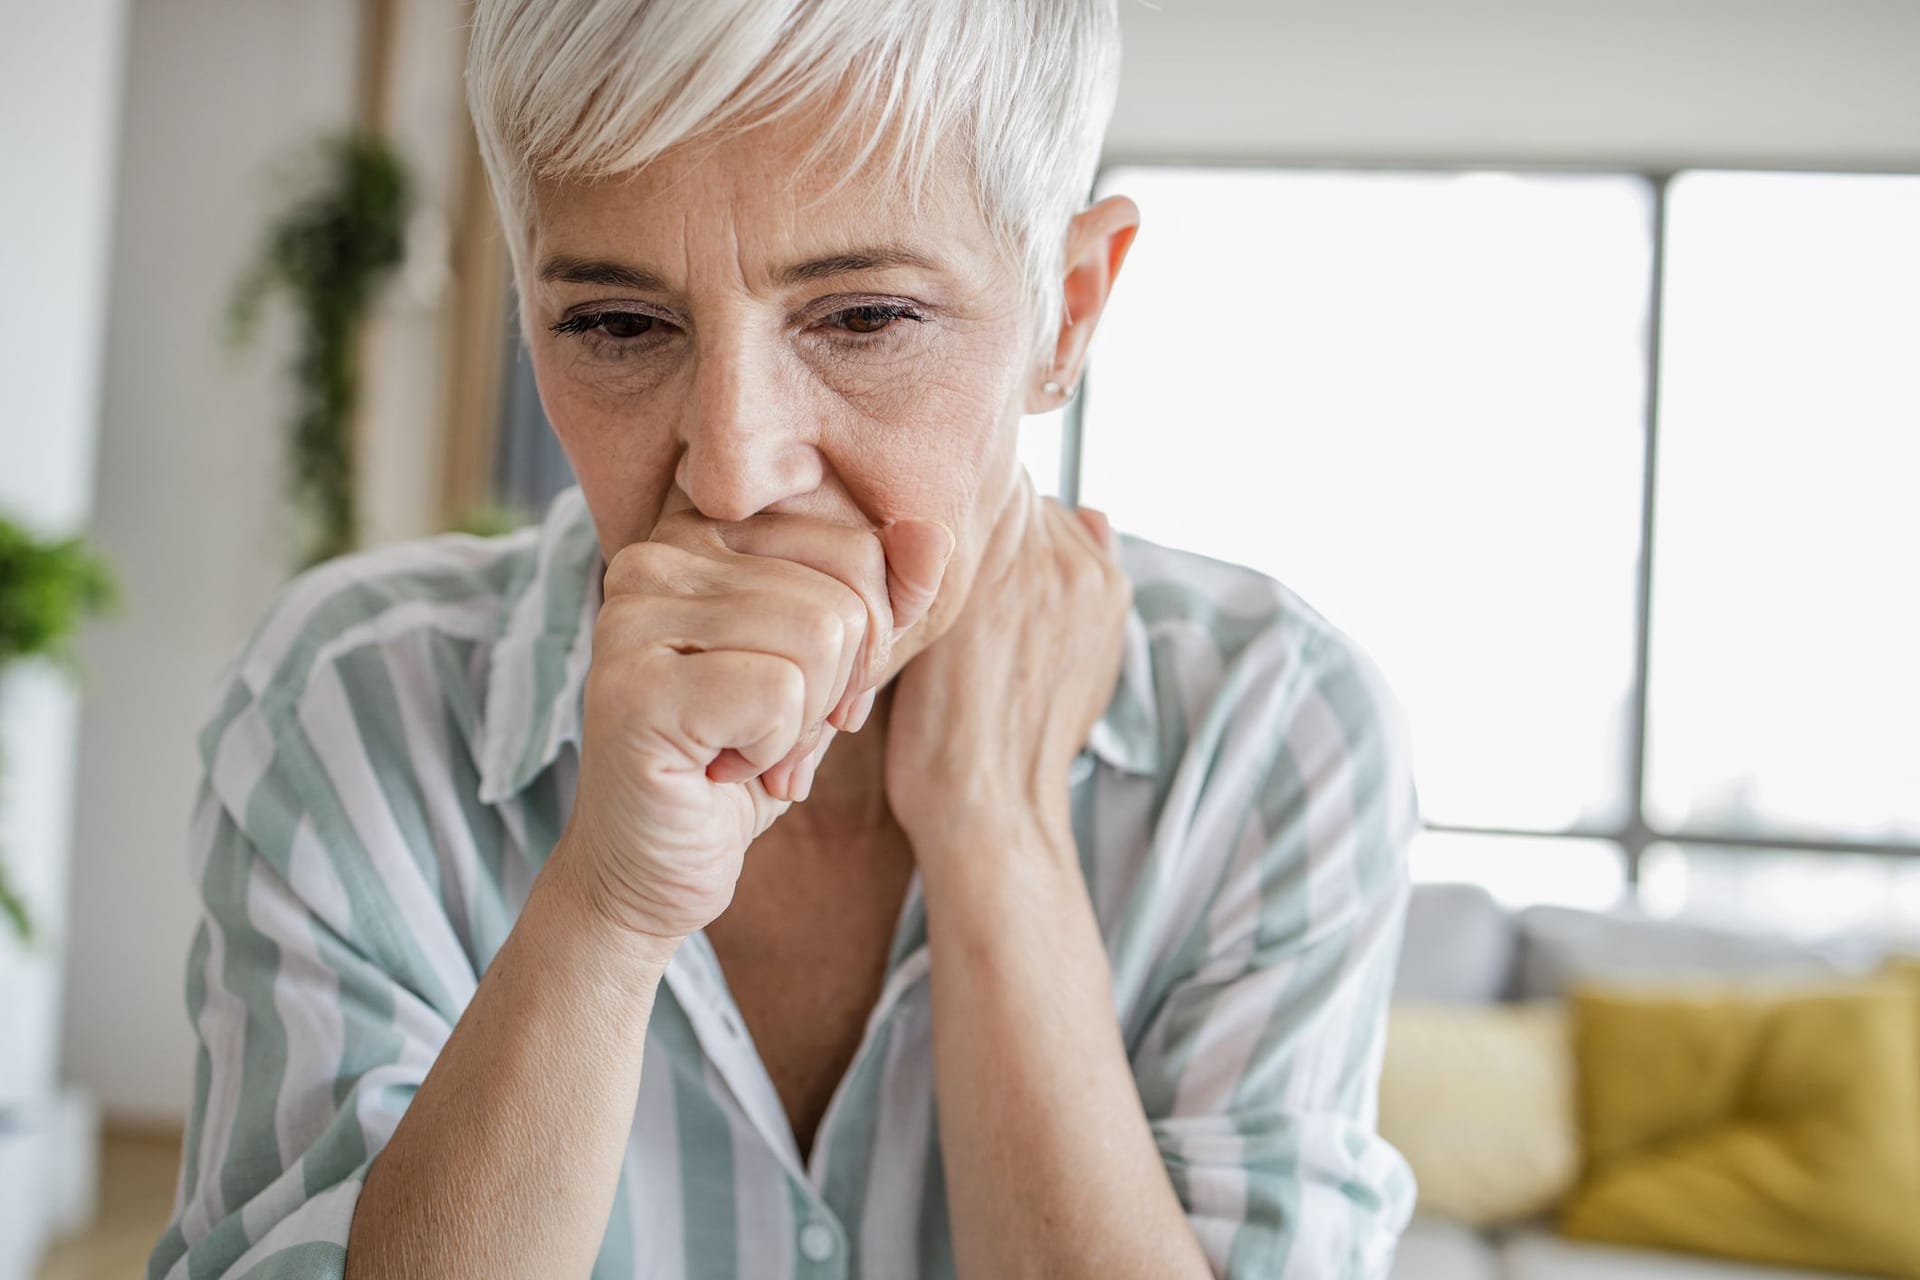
pixel 393 752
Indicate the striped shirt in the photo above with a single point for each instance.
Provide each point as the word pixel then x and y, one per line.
pixel 393 752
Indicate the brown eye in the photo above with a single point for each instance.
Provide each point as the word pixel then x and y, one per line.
pixel 624 324
pixel 868 319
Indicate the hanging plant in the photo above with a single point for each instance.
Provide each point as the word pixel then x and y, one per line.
pixel 46 590
pixel 331 249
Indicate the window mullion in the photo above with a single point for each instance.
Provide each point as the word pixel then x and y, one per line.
pixel 1638 835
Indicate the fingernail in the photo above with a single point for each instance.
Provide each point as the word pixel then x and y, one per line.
pixel 857 718
pixel 803 777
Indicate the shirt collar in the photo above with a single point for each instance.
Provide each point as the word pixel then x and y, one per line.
pixel 537 672
pixel 536 675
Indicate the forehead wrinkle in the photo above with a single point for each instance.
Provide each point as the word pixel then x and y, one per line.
pixel 785 229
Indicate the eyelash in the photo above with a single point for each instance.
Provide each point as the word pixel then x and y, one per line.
pixel 586 326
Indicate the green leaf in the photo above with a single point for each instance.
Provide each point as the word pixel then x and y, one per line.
pixel 47 589
pixel 340 236
pixel 13 908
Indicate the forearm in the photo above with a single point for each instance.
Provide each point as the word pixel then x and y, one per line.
pixel 508 1157
pixel 1050 1166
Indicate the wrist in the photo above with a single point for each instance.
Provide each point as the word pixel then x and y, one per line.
pixel 992 903
pixel 570 896
pixel 994 851
pixel 976 811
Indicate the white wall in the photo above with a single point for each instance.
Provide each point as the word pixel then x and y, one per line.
pixel 59 116
pixel 1821 83
pixel 188 500
pixel 189 486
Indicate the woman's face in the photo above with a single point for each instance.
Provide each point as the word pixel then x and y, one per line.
pixel 708 335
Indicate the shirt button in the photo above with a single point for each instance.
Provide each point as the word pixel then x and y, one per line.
pixel 816 1241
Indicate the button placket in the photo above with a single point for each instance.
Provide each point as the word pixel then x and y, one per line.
pixel 698 987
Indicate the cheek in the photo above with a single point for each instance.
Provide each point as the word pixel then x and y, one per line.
pixel 966 480
pixel 934 429
pixel 948 456
pixel 624 464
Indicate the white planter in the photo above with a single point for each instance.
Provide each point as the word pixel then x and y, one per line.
pixel 23 1178
pixel 29 1022
pixel 26 1029
pixel 73 1163
pixel 38 722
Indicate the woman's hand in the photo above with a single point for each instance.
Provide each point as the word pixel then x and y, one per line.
pixel 985 722
pixel 724 659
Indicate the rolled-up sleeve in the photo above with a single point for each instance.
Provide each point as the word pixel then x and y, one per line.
pixel 315 1006
pixel 1260 1065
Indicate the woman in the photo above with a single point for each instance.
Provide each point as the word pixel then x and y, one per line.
pixel 619 897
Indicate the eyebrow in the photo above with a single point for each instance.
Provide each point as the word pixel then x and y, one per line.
pixel 886 257
pixel 563 269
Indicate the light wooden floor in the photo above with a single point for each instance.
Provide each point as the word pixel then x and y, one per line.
pixel 137 1170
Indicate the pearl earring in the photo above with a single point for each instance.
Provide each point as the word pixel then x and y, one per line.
pixel 1051 387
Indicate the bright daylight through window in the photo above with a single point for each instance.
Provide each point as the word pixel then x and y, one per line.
pixel 1420 399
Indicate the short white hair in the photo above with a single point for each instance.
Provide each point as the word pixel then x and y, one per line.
pixel 584 89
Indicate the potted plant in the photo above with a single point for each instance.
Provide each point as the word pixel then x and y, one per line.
pixel 47 588
pixel 341 235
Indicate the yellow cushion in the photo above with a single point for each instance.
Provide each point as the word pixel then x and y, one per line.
pixel 1773 1125
pixel 1479 1099
pixel 1904 969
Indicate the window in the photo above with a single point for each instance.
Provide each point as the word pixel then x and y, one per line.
pixel 1423 401
pixel 1785 679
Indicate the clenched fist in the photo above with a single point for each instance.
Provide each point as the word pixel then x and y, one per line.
pixel 725 657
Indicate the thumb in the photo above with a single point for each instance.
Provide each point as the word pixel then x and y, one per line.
pixel 917 553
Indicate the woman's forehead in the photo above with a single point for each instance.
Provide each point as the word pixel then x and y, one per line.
pixel 750 196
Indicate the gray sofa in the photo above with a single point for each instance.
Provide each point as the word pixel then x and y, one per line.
pixel 1461 945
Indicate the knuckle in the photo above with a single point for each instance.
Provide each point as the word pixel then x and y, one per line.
pixel 647 568
pixel 629 568
pixel 853 617
pixel 825 633
pixel 618 611
pixel 789 689
pixel 621 623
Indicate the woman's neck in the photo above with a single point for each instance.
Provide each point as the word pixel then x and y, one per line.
pixel 849 794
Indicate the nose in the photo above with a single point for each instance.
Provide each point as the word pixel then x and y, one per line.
pixel 747 445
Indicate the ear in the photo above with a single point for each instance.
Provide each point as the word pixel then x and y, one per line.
pixel 1097 242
